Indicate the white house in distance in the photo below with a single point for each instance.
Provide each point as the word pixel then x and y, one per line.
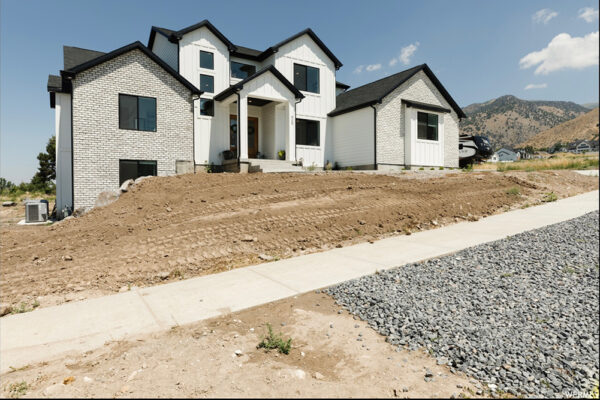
pixel 192 98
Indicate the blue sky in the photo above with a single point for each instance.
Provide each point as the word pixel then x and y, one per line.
pixel 477 49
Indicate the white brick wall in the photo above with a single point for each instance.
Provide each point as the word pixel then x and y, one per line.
pixel 391 123
pixel 99 144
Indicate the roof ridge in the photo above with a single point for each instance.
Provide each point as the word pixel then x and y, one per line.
pixel 385 77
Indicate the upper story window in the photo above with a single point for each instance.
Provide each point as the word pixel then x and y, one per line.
pixel 137 113
pixel 207 83
pixel 207 107
pixel 306 78
pixel 242 71
pixel 207 60
pixel 307 132
pixel 427 126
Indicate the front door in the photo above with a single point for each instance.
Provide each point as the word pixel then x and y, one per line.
pixel 252 135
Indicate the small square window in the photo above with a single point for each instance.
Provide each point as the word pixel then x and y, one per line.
pixel 207 60
pixel 427 126
pixel 207 83
pixel 207 107
pixel 306 78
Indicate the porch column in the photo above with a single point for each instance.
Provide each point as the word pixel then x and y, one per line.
pixel 290 153
pixel 242 124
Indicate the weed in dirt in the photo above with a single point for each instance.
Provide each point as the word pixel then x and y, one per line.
pixel 421 169
pixel 176 274
pixel 275 341
pixel 18 389
pixel 506 275
pixel 514 191
pixel 312 167
pixel 432 169
pixel 328 166
pixel 24 307
pixel 550 197
pixel 468 168
pixel 348 168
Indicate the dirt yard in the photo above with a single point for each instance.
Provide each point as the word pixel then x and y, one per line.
pixel 179 227
pixel 332 355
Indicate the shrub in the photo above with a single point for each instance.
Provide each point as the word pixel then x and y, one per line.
pixel 441 168
pixel 328 166
pixel 421 169
pixel 18 389
pixel 550 197
pixel 275 341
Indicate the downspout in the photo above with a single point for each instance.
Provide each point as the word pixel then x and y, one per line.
pixel 237 130
pixel 375 135
pixel 194 132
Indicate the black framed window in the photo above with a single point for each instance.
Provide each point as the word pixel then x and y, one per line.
pixel 207 60
pixel 307 132
pixel 427 126
pixel 133 169
pixel 207 107
pixel 207 83
pixel 306 78
pixel 242 71
pixel 137 113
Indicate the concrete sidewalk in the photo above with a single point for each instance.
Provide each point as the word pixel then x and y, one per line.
pixel 49 332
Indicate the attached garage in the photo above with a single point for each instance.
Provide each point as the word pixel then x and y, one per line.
pixel 404 120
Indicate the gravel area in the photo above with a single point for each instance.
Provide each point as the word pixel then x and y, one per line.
pixel 520 314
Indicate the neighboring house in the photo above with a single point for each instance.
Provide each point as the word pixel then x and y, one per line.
pixel 524 155
pixel 581 146
pixel 193 98
pixel 504 155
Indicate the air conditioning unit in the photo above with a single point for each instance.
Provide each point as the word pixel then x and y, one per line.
pixel 36 210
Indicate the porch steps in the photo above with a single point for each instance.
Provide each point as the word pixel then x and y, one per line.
pixel 266 166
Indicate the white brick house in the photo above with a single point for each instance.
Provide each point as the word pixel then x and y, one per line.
pixel 192 97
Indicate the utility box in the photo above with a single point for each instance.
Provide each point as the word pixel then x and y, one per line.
pixel 36 210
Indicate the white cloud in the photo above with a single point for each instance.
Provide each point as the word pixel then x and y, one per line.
pixel 564 52
pixel 407 52
pixel 588 14
pixel 393 62
pixel 358 69
pixel 373 67
pixel 543 16
pixel 536 86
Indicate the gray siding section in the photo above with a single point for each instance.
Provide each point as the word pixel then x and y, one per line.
pixel 99 144
pixel 169 52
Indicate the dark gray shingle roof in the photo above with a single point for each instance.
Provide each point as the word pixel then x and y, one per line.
pixel 55 83
pixel 374 92
pixel 74 56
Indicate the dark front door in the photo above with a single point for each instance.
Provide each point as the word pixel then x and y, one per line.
pixel 252 135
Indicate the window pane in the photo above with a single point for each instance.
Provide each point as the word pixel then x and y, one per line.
pixel 312 79
pixel 207 83
pixel 300 77
pixel 242 71
pixel 127 112
pixel 147 113
pixel 307 132
pixel 146 168
pixel 422 126
pixel 207 60
pixel 127 170
pixel 432 127
pixel 207 107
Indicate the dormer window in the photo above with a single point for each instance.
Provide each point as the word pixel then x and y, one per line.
pixel 306 78
pixel 207 60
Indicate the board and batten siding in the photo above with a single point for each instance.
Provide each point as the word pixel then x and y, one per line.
pixel 99 143
pixel 392 123
pixel 64 171
pixel 167 51
pixel 352 138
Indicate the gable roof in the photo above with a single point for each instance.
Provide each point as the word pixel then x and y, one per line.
pixel 71 72
pixel 374 92
pixel 241 51
pixel 238 86
pixel 73 56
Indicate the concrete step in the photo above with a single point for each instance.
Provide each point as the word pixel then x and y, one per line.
pixel 266 165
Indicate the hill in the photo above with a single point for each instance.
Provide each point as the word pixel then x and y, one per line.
pixel 591 106
pixel 584 127
pixel 509 121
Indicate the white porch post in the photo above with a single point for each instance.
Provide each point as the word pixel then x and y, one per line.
pixel 290 153
pixel 242 124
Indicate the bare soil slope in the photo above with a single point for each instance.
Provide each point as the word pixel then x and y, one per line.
pixel 584 127
pixel 178 227
pixel 198 360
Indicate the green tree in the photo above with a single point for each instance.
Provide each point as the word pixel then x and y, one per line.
pixel 43 178
pixel 4 184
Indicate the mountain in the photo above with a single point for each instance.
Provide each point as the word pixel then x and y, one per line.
pixel 584 127
pixel 591 106
pixel 508 121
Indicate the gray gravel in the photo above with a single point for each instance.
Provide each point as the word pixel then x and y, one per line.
pixel 520 314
